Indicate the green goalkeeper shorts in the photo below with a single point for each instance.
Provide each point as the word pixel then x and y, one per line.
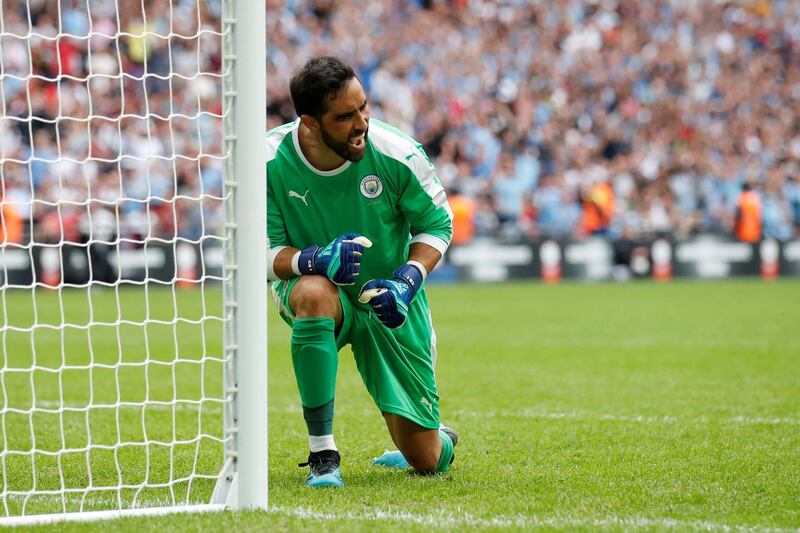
pixel 396 365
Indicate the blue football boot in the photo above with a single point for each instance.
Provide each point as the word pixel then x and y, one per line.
pixel 324 469
pixel 393 459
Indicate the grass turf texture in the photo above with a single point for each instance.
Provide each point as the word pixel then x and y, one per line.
pixel 579 407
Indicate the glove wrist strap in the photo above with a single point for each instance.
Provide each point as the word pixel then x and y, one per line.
pixel 296 263
pixel 412 276
pixel 420 266
pixel 306 260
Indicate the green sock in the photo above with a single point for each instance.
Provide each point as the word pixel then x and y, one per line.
pixel 315 360
pixel 447 453
pixel 319 420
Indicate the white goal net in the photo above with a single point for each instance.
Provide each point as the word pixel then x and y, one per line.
pixel 120 275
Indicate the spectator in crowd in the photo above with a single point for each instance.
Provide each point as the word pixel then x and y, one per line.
pixel 98 228
pixel 792 193
pixel 463 208
pixel 11 225
pixel 776 208
pixel 527 218
pixel 749 222
pixel 509 189
pixel 598 208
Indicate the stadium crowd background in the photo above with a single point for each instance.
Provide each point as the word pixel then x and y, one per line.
pixel 544 119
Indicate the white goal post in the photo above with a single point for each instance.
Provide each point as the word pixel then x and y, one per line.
pixel 133 290
pixel 244 86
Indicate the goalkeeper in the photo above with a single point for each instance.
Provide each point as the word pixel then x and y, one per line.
pixel 345 194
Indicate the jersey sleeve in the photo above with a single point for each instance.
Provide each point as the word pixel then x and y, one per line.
pixel 424 203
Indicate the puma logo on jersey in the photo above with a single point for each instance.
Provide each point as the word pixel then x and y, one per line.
pixel 426 403
pixel 409 156
pixel 293 194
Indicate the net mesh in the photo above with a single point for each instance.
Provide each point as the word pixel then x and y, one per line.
pixel 112 226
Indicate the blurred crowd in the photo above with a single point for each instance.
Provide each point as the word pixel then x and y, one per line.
pixel 544 119
pixel 111 120
pixel 577 117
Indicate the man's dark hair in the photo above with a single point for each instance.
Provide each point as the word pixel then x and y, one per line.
pixel 318 82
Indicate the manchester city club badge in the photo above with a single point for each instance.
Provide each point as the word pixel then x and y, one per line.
pixel 371 186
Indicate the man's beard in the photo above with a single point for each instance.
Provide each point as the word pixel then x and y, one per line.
pixel 343 149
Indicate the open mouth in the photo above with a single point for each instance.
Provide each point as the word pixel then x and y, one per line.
pixel 357 141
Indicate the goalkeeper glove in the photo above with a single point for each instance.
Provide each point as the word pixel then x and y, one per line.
pixel 390 298
pixel 340 260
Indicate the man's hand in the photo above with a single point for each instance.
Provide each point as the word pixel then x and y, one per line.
pixel 340 260
pixel 390 298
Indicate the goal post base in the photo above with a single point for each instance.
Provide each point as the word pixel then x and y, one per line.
pixel 95 516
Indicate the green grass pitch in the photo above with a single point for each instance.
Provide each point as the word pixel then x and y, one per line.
pixel 580 407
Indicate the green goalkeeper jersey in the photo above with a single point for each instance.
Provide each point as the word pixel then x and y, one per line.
pixel 392 196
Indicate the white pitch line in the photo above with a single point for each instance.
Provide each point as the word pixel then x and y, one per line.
pixel 216 406
pixel 561 342
pixel 444 520
pixel 767 421
pixel 589 416
pixel 636 419
pixel 207 406
pixel 520 521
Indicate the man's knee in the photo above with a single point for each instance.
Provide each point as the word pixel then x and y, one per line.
pixel 423 460
pixel 315 296
pixel 421 447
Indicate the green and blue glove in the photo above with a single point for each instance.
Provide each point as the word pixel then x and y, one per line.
pixel 340 260
pixel 390 298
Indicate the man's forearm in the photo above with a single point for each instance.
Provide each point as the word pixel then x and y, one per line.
pixel 282 265
pixel 426 255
